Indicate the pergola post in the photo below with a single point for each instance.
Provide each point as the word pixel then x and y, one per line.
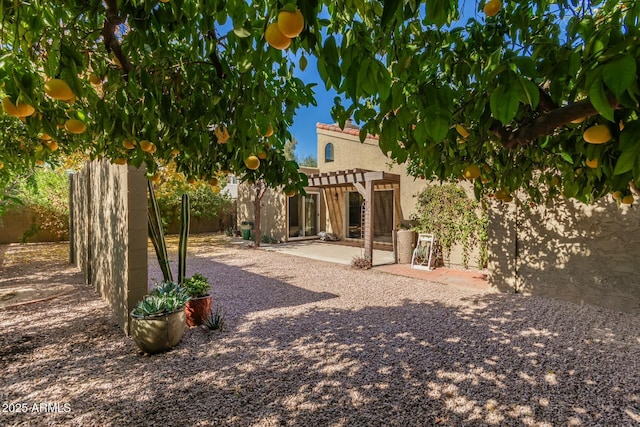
pixel 369 220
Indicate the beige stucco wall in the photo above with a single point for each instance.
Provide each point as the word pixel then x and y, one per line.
pixel 273 208
pixel 350 153
pixel 109 206
pixel 568 250
pixel 17 221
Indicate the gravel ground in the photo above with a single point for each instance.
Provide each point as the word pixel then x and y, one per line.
pixel 312 343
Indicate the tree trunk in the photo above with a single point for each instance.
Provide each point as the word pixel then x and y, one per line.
pixel 261 188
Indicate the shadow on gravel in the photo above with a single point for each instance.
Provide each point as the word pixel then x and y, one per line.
pixel 501 360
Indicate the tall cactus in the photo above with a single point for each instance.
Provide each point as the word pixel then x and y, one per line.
pixel 185 220
pixel 157 235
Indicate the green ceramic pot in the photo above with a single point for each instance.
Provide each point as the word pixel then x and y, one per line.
pixel 155 334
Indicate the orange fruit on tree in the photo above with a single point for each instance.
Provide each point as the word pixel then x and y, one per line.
pixel 471 172
pixel 24 110
pixel 75 126
pixel 290 192
pixel 252 162
pixel 17 110
pixel 627 200
pixel 592 163
pixel 213 182
pixel 290 24
pixel 262 155
pixel 1 165
pixel 58 89
pixel 269 131
pixel 147 146
pixel 222 134
pixel 598 134
pixel 492 7
pixel 462 131
pixel 51 145
pixel 129 144
pixel 275 38
pixel 45 137
pixel 120 161
pixel 616 195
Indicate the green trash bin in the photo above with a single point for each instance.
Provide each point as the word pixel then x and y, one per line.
pixel 246 228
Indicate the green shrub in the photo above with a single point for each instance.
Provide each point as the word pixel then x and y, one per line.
pixel 46 194
pixel 447 212
pixel 197 286
pixel 205 203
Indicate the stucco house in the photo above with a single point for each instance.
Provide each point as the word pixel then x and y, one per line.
pixel 348 173
pixel 565 249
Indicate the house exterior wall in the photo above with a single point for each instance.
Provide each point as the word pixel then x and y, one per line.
pixel 273 209
pixel 350 153
pixel 567 250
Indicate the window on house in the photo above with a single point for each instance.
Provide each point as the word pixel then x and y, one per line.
pixel 328 152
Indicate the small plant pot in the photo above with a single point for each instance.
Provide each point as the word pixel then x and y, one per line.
pixel 197 310
pixel 155 334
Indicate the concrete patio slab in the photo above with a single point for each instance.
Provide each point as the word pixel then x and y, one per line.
pixel 328 251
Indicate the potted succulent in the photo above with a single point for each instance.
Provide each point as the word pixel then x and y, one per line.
pixel 158 321
pixel 198 307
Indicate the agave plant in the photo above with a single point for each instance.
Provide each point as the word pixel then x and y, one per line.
pixel 165 298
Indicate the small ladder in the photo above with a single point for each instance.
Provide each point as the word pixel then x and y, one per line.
pixel 362 211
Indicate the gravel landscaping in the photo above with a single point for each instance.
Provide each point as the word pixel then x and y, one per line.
pixel 312 343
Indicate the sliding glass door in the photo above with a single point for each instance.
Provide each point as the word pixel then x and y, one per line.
pixel 303 215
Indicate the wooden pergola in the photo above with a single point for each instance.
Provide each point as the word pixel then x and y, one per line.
pixel 365 182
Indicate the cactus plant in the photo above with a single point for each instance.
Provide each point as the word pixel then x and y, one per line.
pixel 157 235
pixel 185 220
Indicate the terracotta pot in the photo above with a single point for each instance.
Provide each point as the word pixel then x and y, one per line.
pixel 197 310
pixel 155 334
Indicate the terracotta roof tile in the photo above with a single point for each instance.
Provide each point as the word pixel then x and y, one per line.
pixel 348 131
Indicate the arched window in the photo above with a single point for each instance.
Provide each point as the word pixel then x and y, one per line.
pixel 328 152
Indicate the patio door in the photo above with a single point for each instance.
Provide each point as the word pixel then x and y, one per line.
pixel 303 215
pixel 383 215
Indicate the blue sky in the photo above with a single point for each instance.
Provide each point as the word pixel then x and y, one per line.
pixel 304 124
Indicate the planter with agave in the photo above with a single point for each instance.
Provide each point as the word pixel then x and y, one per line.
pixel 158 321
pixel 198 307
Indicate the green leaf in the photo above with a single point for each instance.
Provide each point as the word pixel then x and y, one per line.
pixel 619 74
pixel 390 9
pixel 504 104
pixel 303 63
pixel 330 54
pixel 242 32
pixel 630 146
pixel 567 157
pixel 599 99
pixel 626 161
pixel 531 92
